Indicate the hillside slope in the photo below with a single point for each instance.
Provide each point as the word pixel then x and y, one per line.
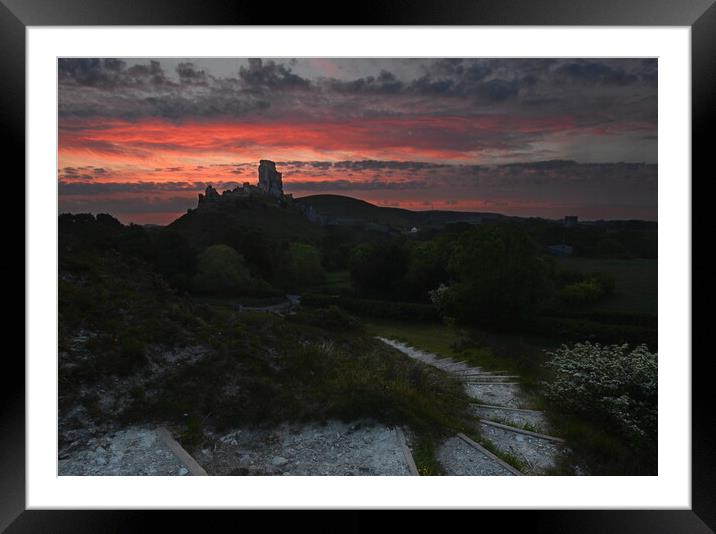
pixel 133 352
pixel 338 208
pixel 204 227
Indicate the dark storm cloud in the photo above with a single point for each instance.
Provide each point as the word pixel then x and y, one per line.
pixel 499 90
pixel 271 88
pixel 554 173
pixel 548 164
pixel 418 175
pixel 349 185
pixel 595 72
pixel 110 88
pixel 104 188
pixel 108 73
pixel 269 75
pixel 448 78
pixel 379 165
pixel 189 74
pixel 306 164
pixel 82 173
pixel 385 83
pixel 130 205
pixel 177 106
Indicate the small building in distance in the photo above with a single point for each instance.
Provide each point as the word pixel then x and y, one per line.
pixel 571 220
pixel 563 251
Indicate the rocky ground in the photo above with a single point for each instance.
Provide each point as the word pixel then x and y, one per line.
pixel 331 449
pixel 132 451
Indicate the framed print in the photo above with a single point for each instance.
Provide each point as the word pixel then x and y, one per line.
pixel 445 241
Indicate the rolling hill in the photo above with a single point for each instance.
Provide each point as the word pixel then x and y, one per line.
pixel 204 226
pixel 338 209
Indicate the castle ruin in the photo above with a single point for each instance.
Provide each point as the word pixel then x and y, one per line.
pixel 270 179
pixel 270 183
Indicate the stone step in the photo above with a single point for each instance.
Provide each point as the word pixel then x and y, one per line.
pixel 489 454
pixel 490 379
pixel 488 375
pixel 460 456
pixel 537 454
pixel 479 370
pixel 475 383
pixel 484 421
pixel 509 408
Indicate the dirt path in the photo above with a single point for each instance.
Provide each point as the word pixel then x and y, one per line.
pixel 507 425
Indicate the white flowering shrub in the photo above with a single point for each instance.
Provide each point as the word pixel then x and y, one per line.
pixel 608 383
pixel 440 297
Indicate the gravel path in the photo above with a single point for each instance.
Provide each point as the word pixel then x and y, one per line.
pixel 498 394
pixel 537 454
pixel 533 420
pixel 129 452
pixel 460 459
pixel 336 448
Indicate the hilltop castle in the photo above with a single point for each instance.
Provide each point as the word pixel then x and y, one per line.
pixel 270 183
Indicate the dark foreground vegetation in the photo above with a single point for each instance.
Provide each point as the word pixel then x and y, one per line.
pixel 133 350
pixel 149 329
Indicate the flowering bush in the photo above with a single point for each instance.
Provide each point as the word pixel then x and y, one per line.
pixel 611 383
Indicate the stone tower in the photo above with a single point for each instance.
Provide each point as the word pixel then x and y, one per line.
pixel 270 179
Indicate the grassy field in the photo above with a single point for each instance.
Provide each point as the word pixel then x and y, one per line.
pixel 636 282
pixel 335 282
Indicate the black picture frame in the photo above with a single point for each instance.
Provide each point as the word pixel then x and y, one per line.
pixel 699 15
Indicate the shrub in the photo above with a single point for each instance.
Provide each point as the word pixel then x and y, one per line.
pixel 611 384
pixel 581 289
pixel 581 293
pixel 221 270
pixel 303 266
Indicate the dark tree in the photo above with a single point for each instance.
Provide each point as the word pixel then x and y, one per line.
pixel 378 269
pixel 499 276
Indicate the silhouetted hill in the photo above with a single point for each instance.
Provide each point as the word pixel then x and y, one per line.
pixel 338 208
pixel 341 209
pixel 205 226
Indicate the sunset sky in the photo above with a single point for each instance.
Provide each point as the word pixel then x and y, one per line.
pixel 139 138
